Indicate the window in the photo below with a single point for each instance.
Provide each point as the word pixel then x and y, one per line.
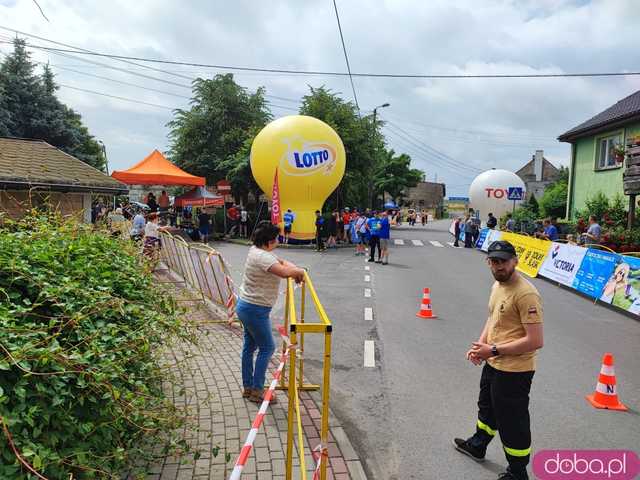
pixel 605 155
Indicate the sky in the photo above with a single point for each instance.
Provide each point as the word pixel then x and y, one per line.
pixel 453 129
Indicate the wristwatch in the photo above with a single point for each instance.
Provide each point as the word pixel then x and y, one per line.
pixel 494 351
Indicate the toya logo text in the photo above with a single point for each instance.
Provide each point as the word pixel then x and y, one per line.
pixel 311 158
pixel 586 464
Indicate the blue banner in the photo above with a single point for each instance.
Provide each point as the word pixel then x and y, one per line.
pixel 594 272
pixel 623 288
pixel 482 237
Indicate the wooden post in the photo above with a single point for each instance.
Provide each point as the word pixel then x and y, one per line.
pixel 632 212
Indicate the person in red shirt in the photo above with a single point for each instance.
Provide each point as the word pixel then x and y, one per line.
pixel 346 226
pixel 233 215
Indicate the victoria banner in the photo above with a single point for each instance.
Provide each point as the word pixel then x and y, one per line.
pixel 595 271
pixel 622 289
pixel 562 263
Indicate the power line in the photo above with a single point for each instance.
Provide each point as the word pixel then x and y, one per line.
pixel 81 50
pixel 346 57
pixel 433 161
pixel 429 150
pixel 477 139
pixel 347 74
pixel 118 81
pixel 116 97
pixel 473 132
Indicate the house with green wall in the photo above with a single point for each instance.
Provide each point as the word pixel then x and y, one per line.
pixel 594 166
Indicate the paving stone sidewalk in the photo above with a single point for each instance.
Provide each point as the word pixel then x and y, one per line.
pixel 221 418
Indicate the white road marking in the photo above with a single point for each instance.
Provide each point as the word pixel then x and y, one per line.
pixel 367 278
pixel 369 354
pixel 417 243
pixel 436 243
pixel 368 313
pixel 398 241
pixel 367 268
pixel 367 293
pixel 451 244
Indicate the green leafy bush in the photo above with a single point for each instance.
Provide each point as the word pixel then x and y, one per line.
pixel 81 330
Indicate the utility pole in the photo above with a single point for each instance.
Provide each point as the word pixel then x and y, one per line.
pixel 104 152
pixel 373 144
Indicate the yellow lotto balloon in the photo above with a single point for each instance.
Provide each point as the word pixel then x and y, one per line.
pixel 310 159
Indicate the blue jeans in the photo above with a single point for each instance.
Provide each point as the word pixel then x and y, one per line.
pixel 257 334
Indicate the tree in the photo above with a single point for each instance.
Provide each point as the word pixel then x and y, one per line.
pixel 361 143
pixel 29 108
pixel 553 202
pixel 207 138
pixel 22 92
pixel 394 174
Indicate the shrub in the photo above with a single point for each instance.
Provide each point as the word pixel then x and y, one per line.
pixel 81 330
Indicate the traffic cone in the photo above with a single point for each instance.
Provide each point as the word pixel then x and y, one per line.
pixel 606 395
pixel 425 306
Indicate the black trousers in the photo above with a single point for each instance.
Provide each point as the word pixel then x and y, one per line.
pixel 503 406
pixel 468 240
pixel 319 241
pixel 374 241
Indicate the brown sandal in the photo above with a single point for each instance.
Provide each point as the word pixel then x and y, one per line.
pixel 247 392
pixel 258 397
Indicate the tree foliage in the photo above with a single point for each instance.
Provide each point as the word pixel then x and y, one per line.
pixel 81 326
pixel 553 202
pixel 207 138
pixel 29 108
pixel 371 168
pixel 394 174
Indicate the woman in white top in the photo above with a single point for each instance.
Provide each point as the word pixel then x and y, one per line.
pixel 258 293
pixel 152 234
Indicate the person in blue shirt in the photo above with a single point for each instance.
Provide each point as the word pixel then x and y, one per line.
pixel 385 236
pixel 373 227
pixel 288 219
pixel 319 232
pixel 550 231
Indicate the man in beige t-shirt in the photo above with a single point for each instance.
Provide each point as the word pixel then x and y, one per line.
pixel 508 343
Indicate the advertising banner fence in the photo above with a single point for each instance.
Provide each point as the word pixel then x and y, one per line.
pixel 562 263
pixel 531 252
pixel 595 270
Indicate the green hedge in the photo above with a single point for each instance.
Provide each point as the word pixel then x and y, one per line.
pixel 82 325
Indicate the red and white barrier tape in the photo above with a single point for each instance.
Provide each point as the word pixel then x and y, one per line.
pixel 319 454
pixel 248 444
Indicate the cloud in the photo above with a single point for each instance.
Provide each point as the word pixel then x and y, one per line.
pixel 408 36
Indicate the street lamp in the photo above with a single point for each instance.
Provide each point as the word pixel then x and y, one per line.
pixel 373 137
pixel 104 152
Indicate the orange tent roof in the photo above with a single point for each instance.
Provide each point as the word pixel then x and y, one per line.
pixel 156 170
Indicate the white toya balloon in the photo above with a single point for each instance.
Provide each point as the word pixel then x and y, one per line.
pixel 489 192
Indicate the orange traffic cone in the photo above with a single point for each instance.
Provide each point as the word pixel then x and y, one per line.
pixel 425 306
pixel 606 395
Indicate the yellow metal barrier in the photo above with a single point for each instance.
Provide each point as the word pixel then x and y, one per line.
pixel 297 328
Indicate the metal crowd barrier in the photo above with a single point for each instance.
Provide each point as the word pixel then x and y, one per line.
pixel 297 328
pixel 202 268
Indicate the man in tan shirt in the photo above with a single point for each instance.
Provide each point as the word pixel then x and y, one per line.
pixel 508 344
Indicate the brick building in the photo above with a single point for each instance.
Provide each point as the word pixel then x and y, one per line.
pixel 537 175
pixel 426 195
pixel 33 173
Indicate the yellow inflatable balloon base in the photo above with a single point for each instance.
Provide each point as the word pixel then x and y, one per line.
pixel 310 159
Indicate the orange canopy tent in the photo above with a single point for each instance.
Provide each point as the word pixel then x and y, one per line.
pixel 156 170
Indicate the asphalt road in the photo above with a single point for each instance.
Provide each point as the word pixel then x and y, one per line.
pixel 403 413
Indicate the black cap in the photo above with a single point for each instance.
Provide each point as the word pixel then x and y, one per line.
pixel 502 249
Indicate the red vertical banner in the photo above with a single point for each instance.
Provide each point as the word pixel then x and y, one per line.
pixel 275 201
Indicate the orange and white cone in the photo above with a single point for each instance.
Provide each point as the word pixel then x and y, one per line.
pixel 606 395
pixel 425 306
